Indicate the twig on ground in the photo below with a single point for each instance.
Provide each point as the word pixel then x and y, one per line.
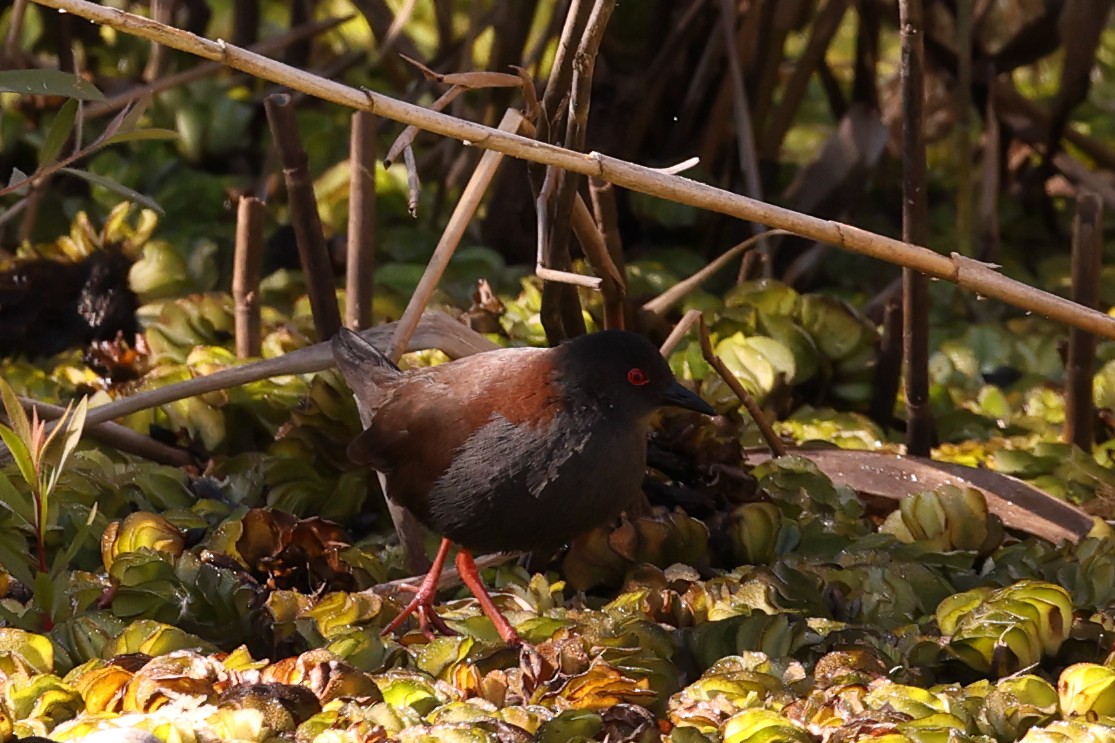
pixel 772 439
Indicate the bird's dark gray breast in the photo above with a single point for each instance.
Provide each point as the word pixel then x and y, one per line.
pixel 522 487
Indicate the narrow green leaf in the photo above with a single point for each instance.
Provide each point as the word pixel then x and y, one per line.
pixel 16 502
pixel 63 559
pixel 133 113
pixel 61 425
pixel 49 82
pixel 125 121
pixel 58 133
pixel 20 453
pixel 74 424
pixel 15 557
pixel 17 416
pixel 45 592
pixel 116 188
pixel 140 135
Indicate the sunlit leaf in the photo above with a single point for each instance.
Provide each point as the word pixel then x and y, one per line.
pixel 17 416
pixel 20 454
pixel 116 188
pixel 49 82
pixel 141 135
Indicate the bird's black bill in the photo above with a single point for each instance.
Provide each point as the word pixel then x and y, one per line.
pixel 680 397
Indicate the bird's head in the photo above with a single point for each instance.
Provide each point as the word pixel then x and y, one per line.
pixel 621 372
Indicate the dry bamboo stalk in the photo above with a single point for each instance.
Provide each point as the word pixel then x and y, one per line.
pixel 115 435
pixel 915 230
pixel 667 299
pixel 450 238
pixel 685 324
pixel 1087 255
pixel 360 250
pixel 614 286
pixel 888 367
pixel 973 275
pixel 246 271
pixel 267 46
pixel 312 251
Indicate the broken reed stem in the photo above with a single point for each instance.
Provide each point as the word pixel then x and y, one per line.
pixel 614 288
pixel 312 251
pixel 247 262
pixel 592 243
pixel 584 228
pixel 777 447
pixel 407 135
pixel 685 324
pixel 163 12
pixel 115 435
pixel 1087 261
pixel 361 247
pixel 15 31
pixel 661 304
pixel 414 184
pixel 567 210
pixel 972 275
pixel 450 237
pixel 915 219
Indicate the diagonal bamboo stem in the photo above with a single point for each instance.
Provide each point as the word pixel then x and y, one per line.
pixel 974 275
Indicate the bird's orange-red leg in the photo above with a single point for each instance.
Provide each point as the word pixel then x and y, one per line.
pixel 423 601
pixel 470 576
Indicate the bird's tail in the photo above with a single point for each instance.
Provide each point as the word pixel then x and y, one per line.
pixel 364 367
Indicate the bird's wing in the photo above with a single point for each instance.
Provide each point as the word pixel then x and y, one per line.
pixel 428 415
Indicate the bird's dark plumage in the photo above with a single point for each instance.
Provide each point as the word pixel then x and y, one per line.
pixel 513 449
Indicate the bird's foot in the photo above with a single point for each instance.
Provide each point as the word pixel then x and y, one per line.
pixel 422 604
pixel 470 576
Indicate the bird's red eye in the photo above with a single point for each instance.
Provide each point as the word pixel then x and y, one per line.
pixel 637 377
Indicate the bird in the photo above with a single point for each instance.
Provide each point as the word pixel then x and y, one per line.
pixel 510 449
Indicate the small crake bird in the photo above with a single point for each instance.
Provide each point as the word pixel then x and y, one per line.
pixel 513 449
